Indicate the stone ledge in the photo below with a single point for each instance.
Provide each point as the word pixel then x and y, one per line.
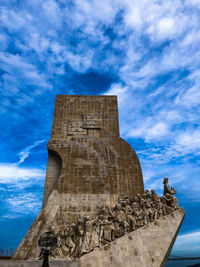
pixel 38 263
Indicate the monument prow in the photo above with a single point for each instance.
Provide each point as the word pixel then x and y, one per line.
pixel 148 246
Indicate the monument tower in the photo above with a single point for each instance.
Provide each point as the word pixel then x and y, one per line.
pixel 89 165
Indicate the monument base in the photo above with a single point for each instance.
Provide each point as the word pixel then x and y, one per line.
pixel 148 246
pixel 38 263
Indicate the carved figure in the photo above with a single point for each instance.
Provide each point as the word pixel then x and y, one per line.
pixel 169 197
pixel 154 196
pixel 130 218
pixel 127 215
pixel 123 200
pixel 91 238
pixel 135 204
pixel 58 250
pixel 69 244
pixel 80 229
pixel 148 210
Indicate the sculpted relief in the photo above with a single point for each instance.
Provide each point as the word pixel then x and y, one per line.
pixel 127 215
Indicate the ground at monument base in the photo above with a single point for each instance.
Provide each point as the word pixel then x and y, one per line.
pixel 38 263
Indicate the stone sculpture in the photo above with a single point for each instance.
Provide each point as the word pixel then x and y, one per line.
pixel 94 192
pixel 169 197
pixel 80 238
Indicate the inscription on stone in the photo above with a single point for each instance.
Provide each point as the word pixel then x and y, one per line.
pixel 76 128
pixel 92 121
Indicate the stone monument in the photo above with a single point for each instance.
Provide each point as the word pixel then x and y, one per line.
pixel 89 165
pixel 94 200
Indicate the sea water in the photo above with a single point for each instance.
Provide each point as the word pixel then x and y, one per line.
pixel 184 263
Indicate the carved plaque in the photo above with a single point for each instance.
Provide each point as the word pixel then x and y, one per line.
pixel 92 121
pixel 76 128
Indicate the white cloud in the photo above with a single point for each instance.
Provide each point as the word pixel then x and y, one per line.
pixel 166 25
pixel 80 63
pixel 190 98
pixel 52 12
pixel 104 10
pixel 27 72
pixel 187 244
pixel 120 91
pixel 12 174
pixel 25 203
pixel 188 141
pixel 159 19
pixel 13 20
pixel 194 3
pixel 150 130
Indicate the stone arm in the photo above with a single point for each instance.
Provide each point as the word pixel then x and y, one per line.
pixel 167 197
pixel 168 190
pixel 173 190
pixel 93 221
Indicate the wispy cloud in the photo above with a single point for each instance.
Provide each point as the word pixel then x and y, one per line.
pixel 24 203
pixel 26 151
pixel 11 174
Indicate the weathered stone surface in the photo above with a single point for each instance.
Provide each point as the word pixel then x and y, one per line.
pixel 36 263
pixel 89 165
pixel 95 160
pixel 149 246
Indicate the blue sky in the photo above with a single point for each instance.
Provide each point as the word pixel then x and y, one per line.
pixel 145 52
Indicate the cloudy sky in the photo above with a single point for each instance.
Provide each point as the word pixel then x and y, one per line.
pixel 144 51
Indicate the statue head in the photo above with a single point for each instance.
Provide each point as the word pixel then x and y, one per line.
pixel 117 206
pixel 51 229
pixel 73 225
pixel 105 209
pixel 165 180
pixel 153 191
pixel 80 221
pixel 147 192
pixel 135 199
pixel 86 218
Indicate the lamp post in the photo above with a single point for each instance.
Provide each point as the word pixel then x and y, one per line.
pixel 47 242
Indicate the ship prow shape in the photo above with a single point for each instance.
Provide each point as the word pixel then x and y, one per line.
pixel 148 246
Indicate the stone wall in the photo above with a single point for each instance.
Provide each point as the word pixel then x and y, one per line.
pixel 95 160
